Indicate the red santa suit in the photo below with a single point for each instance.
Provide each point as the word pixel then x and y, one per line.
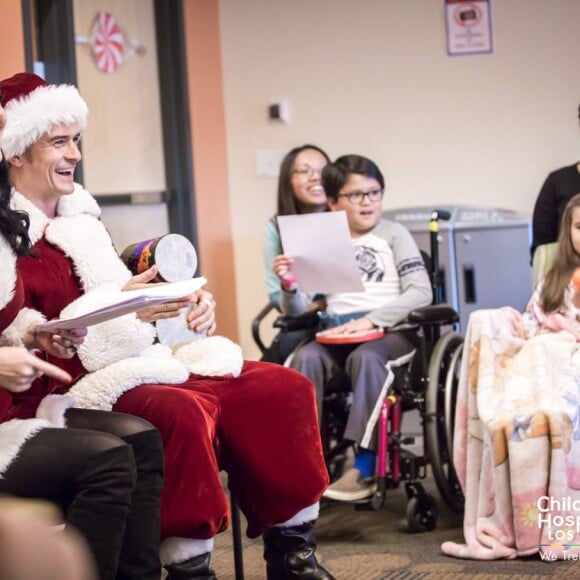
pixel 255 420
pixel 13 432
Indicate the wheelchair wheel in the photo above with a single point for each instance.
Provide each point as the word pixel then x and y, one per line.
pixel 444 368
pixel 421 517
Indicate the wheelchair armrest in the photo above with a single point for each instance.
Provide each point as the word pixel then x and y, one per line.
pixel 302 322
pixel 256 325
pixel 435 314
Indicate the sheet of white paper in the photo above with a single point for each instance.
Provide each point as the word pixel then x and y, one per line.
pixel 323 255
pixel 120 303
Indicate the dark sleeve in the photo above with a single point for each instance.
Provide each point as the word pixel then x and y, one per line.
pixel 5 404
pixel 11 310
pixel 545 217
pixel 4 184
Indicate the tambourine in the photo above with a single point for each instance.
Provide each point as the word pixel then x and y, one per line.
pixel 351 337
pixel 176 260
pixel 173 254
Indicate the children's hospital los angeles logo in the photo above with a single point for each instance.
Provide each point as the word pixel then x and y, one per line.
pixel 560 521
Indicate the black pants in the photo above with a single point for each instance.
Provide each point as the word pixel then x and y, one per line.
pixel 285 343
pixel 106 472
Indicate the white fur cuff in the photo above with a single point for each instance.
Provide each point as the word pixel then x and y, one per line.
pixel 175 550
pixel 215 356
pixel 305 515
pixel 13 435
pixel 53 407
pixel 13 335
pixel 102 388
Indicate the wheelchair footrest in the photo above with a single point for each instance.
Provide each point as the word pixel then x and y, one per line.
pixel 373 503
pixel 412 466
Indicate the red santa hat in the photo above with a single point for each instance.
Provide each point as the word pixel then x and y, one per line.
pixel 33 108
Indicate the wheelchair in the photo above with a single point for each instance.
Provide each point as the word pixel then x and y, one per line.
pixel 425 380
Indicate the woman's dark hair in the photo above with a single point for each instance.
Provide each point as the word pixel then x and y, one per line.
pixel 13 224
pixel 286 201
pixel 336 174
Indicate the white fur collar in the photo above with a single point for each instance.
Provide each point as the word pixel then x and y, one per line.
pixel 80 234
pixel 78 202
pixel 83 237
pixel 8 278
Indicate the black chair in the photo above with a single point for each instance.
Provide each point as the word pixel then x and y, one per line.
pixel 237 539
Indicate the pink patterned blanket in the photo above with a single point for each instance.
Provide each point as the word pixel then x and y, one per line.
pixel 517 442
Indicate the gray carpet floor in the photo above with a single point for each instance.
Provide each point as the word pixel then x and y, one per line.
pixel 375 545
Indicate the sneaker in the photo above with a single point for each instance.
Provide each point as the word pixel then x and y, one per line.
pixel 351 487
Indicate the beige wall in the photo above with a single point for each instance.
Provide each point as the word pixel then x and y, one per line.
pixel 373 77
pixel 370 77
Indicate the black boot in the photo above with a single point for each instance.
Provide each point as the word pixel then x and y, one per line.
pixel 196 568
pixel 139 558
pixel 289 553
pixel 139 555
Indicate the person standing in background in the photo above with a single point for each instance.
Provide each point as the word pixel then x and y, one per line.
pixel 558 188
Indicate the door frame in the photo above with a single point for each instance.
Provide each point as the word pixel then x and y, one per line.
pixel 49 33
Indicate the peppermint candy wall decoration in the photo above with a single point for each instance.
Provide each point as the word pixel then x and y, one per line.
pixel 109 44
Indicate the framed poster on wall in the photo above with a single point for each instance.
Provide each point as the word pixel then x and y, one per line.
pixel 468 27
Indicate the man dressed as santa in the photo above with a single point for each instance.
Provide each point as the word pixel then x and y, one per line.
pixel 214 411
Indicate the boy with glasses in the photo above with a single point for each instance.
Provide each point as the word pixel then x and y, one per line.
pixel 395 282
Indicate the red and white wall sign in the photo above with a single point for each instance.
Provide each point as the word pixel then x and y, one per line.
pixel 468 26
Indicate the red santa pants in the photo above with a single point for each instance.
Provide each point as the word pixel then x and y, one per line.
pixel 261 428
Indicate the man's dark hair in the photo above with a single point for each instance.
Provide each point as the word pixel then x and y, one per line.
pixel 336 174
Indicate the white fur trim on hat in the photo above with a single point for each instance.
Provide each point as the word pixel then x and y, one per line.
pixel 215 356
pixel 32 116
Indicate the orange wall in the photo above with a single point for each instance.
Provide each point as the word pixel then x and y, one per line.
pixel 11 38
pixel 208 137
pixel 208 130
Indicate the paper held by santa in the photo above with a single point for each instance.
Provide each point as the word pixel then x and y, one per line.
pixel 108 304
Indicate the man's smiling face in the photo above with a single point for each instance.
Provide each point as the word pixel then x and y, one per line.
pixel 47 167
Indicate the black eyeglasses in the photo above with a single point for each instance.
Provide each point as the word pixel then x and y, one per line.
pixel 357 197
pixel 307 170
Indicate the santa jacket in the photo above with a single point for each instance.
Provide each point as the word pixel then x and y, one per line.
pixel 14 432
pixel 120 354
